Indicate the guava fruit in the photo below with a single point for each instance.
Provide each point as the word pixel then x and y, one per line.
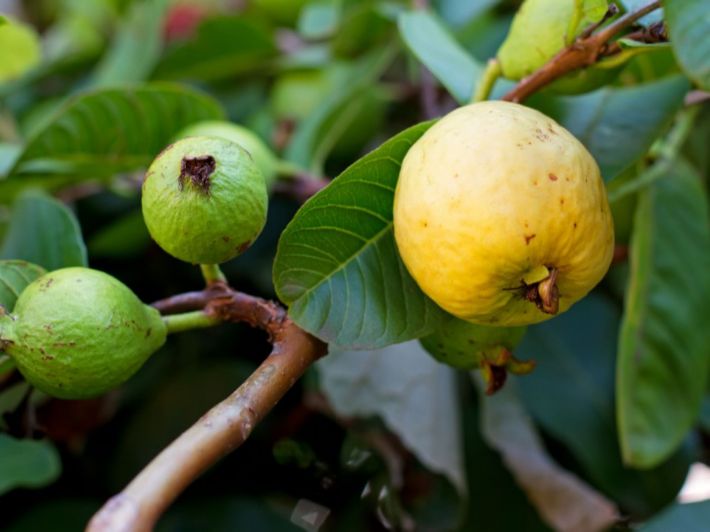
pixel 464 345
pixel 77 332
pixel 467 346
pixel 264 158
pixel 501 216
pixel 204 200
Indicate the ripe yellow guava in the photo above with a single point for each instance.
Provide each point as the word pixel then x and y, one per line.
pixel 501 216
pixel 204 200
pixel 78 332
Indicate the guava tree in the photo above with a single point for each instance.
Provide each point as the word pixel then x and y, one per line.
pixel 436 195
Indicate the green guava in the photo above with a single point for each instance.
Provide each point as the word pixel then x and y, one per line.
pixel 465 345
pixel 78 332
pixel 204 200
pixel 263 157
pixel 468 346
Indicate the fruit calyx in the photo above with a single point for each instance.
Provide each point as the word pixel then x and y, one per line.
pixel 198 170
pixel 545 293
pixel 496 365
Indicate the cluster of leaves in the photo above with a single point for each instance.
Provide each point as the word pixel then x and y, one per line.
pixel 615 403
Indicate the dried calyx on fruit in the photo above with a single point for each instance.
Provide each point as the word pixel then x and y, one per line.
pixel 78 332
pixel 501 216
pixel 204 200
pixel 264 158
pixel 464 345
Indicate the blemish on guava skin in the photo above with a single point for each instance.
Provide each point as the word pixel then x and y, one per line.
pixel 226 238
pixel 528 238
pixel 243 247
pixel 198 170
pixel 552 177
pixel 148 332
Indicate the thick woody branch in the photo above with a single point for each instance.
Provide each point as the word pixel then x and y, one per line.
pixel 584 52
pixel 226 426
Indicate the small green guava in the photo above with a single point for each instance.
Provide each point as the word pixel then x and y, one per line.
pixel 204 200
pixel 77 333
pixel 468 346
pixel 465 345
pixel 264 158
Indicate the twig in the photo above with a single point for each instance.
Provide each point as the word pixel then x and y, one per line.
pixel 583 52
pixel 226 426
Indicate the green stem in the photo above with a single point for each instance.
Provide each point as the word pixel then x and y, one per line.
pixel 489 77
pixel 189 320
pixel 212 273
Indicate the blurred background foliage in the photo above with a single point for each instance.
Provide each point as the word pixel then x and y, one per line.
pixel 91 90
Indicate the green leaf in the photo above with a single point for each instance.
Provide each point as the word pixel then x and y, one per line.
pixel 15 275
pixel 663 345
pixel 429 40
pixel 126 237
pixel 19 50
pixel 571 395
pixel 45 232
pixel 564 501
pixel 541 28
pixel 223 47
pixel 337 265
pixel 689 27
pixel 316 136
pixel 26 463
pixel 691 517
pixel 618 125
pixel 136 47
pixel 413 394
pixel 107 131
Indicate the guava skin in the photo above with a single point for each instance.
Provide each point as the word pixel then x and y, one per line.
pixel 247 139
pixel 465 345
pixel 77 333
pixel 204 200
pixel 494 198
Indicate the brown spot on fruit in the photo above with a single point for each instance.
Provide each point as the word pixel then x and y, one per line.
pixel 225 238
pixel 562 201
pixel 528 238
pixel 552 177
pixel 198 170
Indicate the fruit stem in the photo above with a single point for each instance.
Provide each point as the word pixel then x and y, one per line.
pixel 212 274
pixel 490 75
pixel 288 169
pixel 187 321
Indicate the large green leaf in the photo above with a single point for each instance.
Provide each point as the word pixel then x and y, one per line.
pixel 664 344
pixel 413 394
pixel 15 275
pixel 318 133
pixel 618 125
pixel 136 47
pixel 571 395
pixel 224 46
pixel 337 265
pixel 45 232
pixel 429 40
pixel 111 130
pixel 26 463
pixel 691 517
pixel 689 27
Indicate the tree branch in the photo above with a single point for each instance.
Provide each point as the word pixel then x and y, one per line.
pixel 227 425
pixel 584 52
